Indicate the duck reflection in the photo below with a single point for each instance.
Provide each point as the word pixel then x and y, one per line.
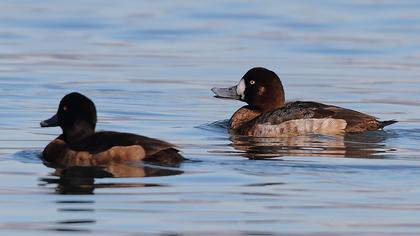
pixel 364 145
pixel 81 179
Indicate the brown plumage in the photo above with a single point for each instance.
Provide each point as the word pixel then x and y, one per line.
pixel 267 114
pixel 80 145
pixel 311 114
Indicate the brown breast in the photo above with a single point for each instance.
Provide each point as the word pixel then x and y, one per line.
pixel 241 117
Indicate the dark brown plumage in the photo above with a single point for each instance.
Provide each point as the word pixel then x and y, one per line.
pixel 80 145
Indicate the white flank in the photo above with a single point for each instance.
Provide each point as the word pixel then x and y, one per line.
pixel 300 127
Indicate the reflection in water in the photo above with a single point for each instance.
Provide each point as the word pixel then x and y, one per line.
pixel 366 145
pixel 358 54
pixel 81 179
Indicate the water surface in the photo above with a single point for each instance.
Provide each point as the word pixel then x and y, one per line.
pixel 149 67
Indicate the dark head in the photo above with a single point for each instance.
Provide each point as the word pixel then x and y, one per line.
pixel 76 115
pixel 259 87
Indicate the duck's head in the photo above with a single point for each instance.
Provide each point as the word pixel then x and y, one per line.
pixel 76 115
pixel 259 87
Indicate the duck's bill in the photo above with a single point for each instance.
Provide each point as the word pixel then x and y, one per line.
pixel 227 93
pixel 51 122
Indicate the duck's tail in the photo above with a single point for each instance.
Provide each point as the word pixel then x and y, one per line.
pixel 168 156
pixel 382 124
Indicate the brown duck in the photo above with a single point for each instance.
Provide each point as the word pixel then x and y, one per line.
pixel 80 145
pixel 267 114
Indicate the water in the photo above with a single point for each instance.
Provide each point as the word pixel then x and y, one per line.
pixel 149 67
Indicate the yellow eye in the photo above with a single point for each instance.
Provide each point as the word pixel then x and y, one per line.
pixel 65 108
pixel 252 81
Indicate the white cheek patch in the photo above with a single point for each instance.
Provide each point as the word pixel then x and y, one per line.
pixel 240 89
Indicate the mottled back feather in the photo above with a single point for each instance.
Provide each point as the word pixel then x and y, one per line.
pixel 316 114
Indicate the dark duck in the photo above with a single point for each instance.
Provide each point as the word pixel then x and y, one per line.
pixel 80 145
pixel 268 115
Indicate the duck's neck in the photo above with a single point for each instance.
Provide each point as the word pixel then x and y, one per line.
pixel 242 116
pixel 78 131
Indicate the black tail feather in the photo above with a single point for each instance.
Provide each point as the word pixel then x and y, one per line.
pixel 382 124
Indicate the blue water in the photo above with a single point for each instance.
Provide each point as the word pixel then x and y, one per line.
pixel 149 67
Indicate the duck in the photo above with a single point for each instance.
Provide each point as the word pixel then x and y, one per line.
pixel 268 115
pixel 80 145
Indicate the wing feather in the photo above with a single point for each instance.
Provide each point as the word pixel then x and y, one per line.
pixel 302 110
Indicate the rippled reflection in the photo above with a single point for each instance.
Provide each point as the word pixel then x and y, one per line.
pixel 366 145
pixel 81 179
pixel 149 65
